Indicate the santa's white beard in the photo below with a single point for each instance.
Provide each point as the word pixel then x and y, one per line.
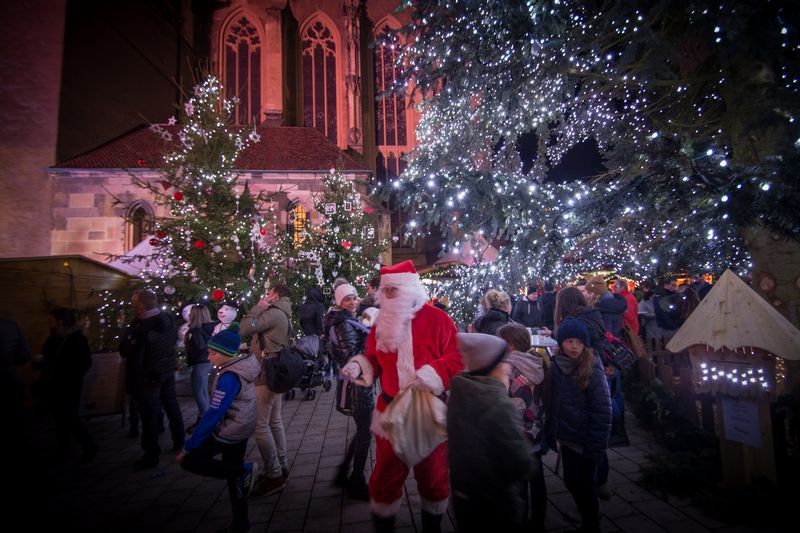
pixel 394 318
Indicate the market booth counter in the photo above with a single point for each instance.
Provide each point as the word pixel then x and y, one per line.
pixel 35 285
pixel 738 346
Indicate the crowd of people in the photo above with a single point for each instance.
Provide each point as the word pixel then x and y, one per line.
pixel 508 402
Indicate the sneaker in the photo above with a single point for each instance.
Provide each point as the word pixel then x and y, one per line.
pixel 603 493
pixel 270 485
pixel 247 480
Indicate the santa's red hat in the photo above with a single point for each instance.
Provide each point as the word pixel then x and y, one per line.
pixel 401 274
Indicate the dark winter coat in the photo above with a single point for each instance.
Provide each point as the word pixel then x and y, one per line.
pixel 489 460
pixel 493 320
pixel 312 312
pixel 149 345
pixel 612 307
pixel 593 321
pixel 582 417
pixel 548 301
pixel 66 359
pixel 529 314
pixel 668 312
pixel 344 338
pixel 197 345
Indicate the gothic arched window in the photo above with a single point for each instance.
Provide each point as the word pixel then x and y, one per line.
pixel 391 135
pixel 242 69
pixel 139 224
pixel 319 80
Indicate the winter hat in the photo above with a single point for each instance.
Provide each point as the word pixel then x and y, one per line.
pixel 369 315
pixel 597 285
pixel 572 328
pixel 342 291
pixel 481 352
pixel 399 275
pixel 227 341
pixel 231 303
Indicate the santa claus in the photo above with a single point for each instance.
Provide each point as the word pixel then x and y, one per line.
pixel 412 344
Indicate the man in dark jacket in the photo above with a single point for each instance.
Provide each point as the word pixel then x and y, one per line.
pixel 528 311
pixel 548 302
pixel 149 346
pixel 611 306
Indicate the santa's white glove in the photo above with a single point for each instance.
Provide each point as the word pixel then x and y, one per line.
pixel 428 380
pixel 351 370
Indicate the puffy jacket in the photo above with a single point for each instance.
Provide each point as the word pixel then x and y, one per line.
pixel 346 340
pixel 529 314
pixel 612 307
pixel 312 312
pixel 582 417
pixel 197 345
pixel 493 320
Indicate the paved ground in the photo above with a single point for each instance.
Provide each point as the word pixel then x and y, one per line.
pixel 108 495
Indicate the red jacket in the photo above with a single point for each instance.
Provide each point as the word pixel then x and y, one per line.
pixel 435 343
pixel 631 316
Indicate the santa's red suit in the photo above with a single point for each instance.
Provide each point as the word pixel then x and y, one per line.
pixel 427 357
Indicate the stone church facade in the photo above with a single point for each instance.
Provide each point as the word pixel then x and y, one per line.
pixel 304 73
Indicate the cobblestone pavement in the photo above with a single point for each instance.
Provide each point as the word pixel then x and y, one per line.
pixel 108 495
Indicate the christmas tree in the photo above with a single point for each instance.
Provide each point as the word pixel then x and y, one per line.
pixel 218 239
pixel 692 105
pixel 346 244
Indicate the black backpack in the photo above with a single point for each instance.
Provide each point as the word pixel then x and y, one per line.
pixel 284 371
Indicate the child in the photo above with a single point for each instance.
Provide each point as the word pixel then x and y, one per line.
pixel 529 377
pixel 227 424
pixel 489 460
pixel 582 411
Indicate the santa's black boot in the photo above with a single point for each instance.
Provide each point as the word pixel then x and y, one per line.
pixel 383 524
pixel 431 523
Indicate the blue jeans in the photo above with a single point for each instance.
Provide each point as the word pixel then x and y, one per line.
pixel 200 374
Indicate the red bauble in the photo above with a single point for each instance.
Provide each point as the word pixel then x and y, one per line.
pixel 154 242
pixel 178 196
pixel 369 210
pixel 346 245
pixel 218 295
pixel 161 235
pixel 199 244
pixel 263 231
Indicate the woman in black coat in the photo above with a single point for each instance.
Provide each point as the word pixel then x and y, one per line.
pixel 346 338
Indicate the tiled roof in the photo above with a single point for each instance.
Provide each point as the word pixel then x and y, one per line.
pixel 281 148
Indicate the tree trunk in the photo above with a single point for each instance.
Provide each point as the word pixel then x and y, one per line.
pixel 776 270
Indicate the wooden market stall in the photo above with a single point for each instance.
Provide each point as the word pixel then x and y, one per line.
pixel 35 285
pixel 738 344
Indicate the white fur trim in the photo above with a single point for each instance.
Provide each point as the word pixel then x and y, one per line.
pixel 385 510
pixel 401 279
pixel 431 379
pixel 439 507
pixel 376 426
pixel 405 360
pixel 367 377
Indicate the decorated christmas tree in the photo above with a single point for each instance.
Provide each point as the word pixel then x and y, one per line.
pixel 346 243
pixel 693 106
pixel 220 239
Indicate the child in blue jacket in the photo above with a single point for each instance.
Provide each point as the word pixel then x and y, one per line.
pixel 227 424
pixel 582 410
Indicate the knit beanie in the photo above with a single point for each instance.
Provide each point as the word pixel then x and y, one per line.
pixel 342 291
pixel 481 352
pixel 597 285
pixel 226 341
pixel 572 328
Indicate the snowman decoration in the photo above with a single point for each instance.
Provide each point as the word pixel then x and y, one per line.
pixel 187 309
pixel 226 314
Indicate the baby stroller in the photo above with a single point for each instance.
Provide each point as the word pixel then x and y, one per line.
pixel 313 377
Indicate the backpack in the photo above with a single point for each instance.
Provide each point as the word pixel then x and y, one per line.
pixel 284 371
pixel 617 353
